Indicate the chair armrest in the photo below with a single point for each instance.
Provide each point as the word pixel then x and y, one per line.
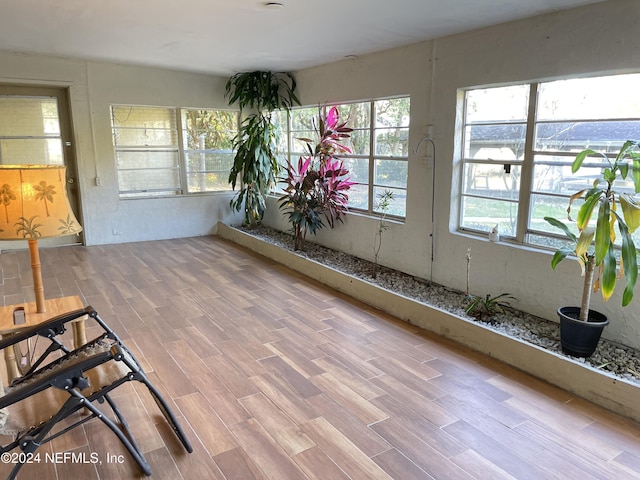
pixel 48 329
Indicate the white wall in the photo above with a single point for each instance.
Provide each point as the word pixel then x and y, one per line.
pixel 599 38
pixel 93 87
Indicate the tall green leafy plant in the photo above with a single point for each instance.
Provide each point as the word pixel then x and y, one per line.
pixel 255 163
pixel 594 247
pixel 316 188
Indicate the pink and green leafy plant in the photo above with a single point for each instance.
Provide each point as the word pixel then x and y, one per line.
pixel 316 188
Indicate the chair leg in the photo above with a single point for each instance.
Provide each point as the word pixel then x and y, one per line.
pixel 133 451
pixel 130 360
pixel 168 415
pixel 123 422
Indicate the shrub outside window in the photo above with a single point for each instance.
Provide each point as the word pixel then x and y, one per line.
pixel 519 143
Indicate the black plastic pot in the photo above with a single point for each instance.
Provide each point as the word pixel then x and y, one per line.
pixel 579 338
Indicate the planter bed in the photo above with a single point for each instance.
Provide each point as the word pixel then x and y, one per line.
pixel 611 391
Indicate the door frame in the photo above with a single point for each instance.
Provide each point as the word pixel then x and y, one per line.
pixel 62 95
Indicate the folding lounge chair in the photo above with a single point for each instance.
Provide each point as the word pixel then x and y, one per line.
pixel 59 384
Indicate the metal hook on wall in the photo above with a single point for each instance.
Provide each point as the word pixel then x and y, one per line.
pixel 425 139
pixel 433 194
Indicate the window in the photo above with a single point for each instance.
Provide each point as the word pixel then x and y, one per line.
pixel 208 148
pixel 152 159
pixel 30 130
pixel 379 144
pixel 518 144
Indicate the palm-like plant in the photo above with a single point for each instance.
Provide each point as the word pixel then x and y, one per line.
pixel 255 144
pixel 45 193
pixel 316 189
pixel 28 227
pixel 484 308
pixel 6 197
pixel 595 247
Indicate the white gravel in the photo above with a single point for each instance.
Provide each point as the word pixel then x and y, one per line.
pixel 620 360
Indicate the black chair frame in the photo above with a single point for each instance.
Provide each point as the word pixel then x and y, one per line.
pixel 67 373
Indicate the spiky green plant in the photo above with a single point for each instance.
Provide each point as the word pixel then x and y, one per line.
pixel 484 308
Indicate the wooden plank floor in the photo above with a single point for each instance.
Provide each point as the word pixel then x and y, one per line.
pixel 274 376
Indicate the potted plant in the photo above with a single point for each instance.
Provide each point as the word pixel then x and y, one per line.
pixel 255 144
pixel 618 213
pixel 316 188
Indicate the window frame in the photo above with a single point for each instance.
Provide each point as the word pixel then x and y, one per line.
pixel 185 151
pixel 525 232
pixel 181 150
pixel 372 157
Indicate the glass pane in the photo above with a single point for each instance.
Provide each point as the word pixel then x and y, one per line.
pixel 143 117
pixel 614 96
pixel 31 151
pixel 165 180
pixel 496 142
pixel 357 115
pixel 298 146
pixel 568 159
pixel 133 137
pixel 282 161
pixel 360 141
pixel 397 205
pixel 208 182
pixel 359 196
pixel 282 144
pixel 199 140
pixel 147 159
pixel 542 205
pixel 303 118
pixel 604 136
pixel 391 173
pixel 550 242
pixel 29 117
pixel 209 129
pixel 280 118
pixel 548 206
pixel 392 142
pixel 280 121
pixel 501 104
pixel 484 214
pixel 358 169
pixel 209 161
pixel 394 112
pixel 559 179
pixel 490 180
pixel 556 207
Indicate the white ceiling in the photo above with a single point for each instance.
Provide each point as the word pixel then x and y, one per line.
pixel 227 36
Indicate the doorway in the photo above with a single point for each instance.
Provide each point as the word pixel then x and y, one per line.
pixel 36 129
